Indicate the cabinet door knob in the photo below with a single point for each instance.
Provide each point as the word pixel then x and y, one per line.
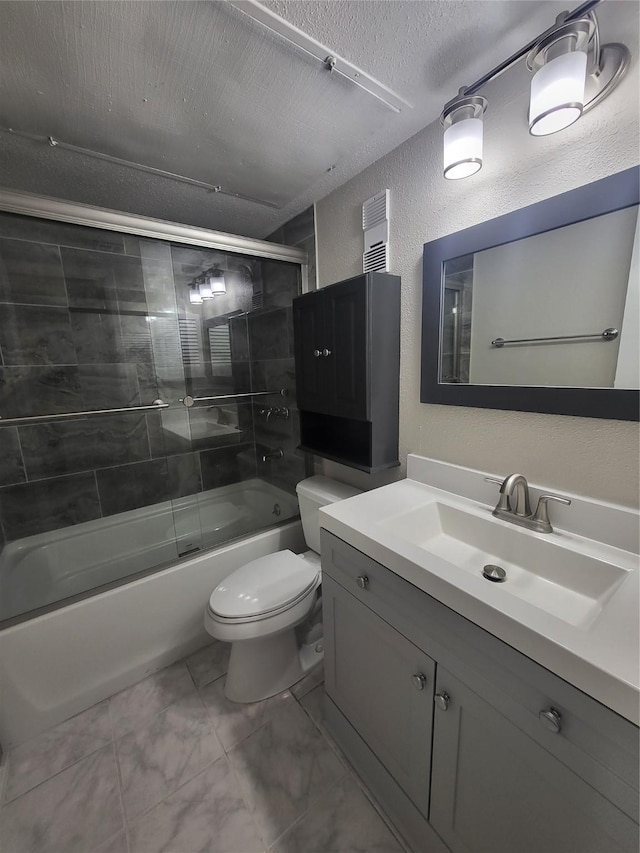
pixel 316 353
pixel 551 718
pixel 362 581
pixel 419 680
pixel 326 353
pixel 442 701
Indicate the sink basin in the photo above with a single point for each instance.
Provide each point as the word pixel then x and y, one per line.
pixel 568 584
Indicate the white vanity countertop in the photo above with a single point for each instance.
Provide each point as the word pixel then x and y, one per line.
pixel 600 657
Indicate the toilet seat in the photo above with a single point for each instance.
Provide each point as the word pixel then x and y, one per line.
pixel 263 588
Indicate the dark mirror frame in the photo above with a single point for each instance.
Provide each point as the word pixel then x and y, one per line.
pixel 604 196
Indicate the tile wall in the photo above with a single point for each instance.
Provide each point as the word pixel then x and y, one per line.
pixel 274 365
pixel 95 319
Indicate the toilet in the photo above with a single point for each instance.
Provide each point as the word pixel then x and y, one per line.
pixel 258 607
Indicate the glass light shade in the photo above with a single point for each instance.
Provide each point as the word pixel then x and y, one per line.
pixel 557 93
pixel 463 148
pixel 215 280
pixel 194 296
pixel 205 291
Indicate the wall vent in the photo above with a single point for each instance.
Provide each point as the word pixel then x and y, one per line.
pixel 190 341
pixel 375 224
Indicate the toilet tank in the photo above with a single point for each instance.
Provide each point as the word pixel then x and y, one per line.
pixel 314 493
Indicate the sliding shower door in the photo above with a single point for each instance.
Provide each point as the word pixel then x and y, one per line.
pixel 106 471
pixel 241 417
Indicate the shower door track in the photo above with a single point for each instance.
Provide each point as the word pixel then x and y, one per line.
pixel 27 204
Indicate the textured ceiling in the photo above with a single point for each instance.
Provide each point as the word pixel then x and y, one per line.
pixel 201 90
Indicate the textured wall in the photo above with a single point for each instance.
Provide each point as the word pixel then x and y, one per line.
pixel 593 457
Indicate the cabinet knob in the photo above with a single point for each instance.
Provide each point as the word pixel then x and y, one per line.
pixel 442 701
pixel 316 353
pixel 419 680
pixel 551 718
pixel 326 353
pixel 362 581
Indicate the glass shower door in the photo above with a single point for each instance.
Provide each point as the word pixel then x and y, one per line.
pixel 86 320
pixel 105 472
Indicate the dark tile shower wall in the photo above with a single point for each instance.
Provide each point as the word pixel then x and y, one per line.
pixel 300 231
pixel 273 365
pixel 90 319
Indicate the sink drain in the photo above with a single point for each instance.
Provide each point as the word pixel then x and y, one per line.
pixel 494 573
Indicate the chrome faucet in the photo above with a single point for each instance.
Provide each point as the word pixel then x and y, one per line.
pixel 522 515
pixel 273 454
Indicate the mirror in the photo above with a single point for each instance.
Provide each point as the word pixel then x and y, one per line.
pixel 539 310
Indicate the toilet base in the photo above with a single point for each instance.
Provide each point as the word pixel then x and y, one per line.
pixel 266 666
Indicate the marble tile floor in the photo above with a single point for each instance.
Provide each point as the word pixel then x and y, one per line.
pixel 170 766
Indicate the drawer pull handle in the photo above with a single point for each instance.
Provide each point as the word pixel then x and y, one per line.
pixel 551 718
pixel 362 581
pixel 326 353
pixel 316 353
pixel 419 680
pixel 442 701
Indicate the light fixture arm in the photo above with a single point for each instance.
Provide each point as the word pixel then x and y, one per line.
pixel 565 17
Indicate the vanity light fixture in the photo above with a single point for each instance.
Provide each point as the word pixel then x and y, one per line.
pixel 462 120
pixel 558 86
pixel 215 282
pixel 204 288
pixel 572 73
pixel 194 295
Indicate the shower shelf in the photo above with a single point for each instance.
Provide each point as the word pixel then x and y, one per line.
pixel 91 413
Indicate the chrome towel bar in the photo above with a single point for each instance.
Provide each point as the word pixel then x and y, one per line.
pixel 190 401
pixel 92 413
pixel 608 335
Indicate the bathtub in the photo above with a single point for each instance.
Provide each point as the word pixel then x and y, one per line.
pixel 40 570
pixel 59 663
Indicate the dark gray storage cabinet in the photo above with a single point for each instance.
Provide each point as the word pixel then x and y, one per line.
pixel 479 771
pixel 347 353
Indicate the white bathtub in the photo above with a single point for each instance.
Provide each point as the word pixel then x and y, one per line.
pixel 57 664
pixel 39 570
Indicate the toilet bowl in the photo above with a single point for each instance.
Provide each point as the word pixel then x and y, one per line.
pixel 258 607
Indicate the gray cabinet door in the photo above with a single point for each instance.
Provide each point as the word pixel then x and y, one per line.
pixel 384 685
pixel 495 790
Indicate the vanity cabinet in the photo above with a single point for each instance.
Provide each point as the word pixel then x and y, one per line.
pixel 510 759
pixel 347 355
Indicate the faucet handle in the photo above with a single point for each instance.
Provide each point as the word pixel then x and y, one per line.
pixel 542 513
pixel 503 501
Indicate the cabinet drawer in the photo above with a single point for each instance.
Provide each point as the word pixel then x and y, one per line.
pixel 594 742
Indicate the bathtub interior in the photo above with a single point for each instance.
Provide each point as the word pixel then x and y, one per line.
pixel 51 568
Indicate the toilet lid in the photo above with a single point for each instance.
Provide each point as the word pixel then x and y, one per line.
pixel 263 585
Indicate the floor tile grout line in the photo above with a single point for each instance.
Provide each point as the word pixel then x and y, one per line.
pixel 156 713
pixel 123 810
pixel 6 802
pixel 248 735
pixel 246 802
pixel 130 822
pixel 310 798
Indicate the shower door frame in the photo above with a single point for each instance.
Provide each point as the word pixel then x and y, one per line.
pixel 44 207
